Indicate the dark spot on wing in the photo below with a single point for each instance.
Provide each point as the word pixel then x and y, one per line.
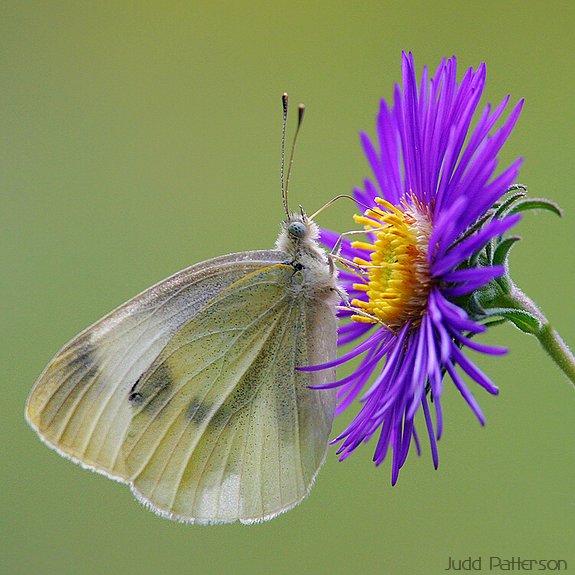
pixel 135 398
pixel 83 363
pixel 152 389
pixel 91 373
pixel 84 356
pixel 221 416
pixel 133 388
pixel 198 411
pixel 192 408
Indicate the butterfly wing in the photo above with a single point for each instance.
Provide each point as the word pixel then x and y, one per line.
pixel 189 391
pixel 79 405
pixel 224 427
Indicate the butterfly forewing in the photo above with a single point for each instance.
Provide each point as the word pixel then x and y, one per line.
pixel 224 426
pixel 79 404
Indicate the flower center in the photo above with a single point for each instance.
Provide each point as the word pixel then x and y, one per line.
pixel 396 273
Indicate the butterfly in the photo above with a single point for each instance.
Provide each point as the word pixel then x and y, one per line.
pixel 190 392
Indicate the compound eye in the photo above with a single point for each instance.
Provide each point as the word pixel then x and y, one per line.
pixel 297 229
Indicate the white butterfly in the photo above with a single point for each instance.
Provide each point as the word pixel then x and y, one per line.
pixel 189 392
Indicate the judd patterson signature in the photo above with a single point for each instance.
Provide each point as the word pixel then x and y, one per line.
pixel 495 563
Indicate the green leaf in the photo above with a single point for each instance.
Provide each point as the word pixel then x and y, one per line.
pixel 523 320
pixel 502 209
pixel 503 249
pixel 536 204
pixel 494 322
pixel 517 187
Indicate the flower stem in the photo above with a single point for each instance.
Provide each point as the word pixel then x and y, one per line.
pixel 554 345
pixel 548 337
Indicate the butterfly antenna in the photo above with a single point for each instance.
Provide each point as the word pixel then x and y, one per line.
pixel 300 110
pixel 284 191
pixel 354 200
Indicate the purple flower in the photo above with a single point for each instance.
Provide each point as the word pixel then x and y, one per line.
pixel 424 219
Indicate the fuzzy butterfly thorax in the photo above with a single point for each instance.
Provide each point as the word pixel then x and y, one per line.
pixel 298 240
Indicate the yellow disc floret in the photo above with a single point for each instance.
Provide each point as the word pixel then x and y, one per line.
pixel 397 277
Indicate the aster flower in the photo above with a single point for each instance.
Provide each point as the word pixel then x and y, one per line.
pixel 431 271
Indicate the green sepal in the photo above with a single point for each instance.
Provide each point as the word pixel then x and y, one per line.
pixel 493 299
pixel 502 250
pixel 536 204
pixel 494 322
pixel 501 210
pixel 500 300
pixel 523 320
pixel 517 187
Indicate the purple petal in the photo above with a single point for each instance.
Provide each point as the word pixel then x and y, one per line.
pixel 473 371
pixel 469 246
pixel 430 432
pixel 362 347
pixel 481 347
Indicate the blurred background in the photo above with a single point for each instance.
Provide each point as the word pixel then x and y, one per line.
pixel 141 137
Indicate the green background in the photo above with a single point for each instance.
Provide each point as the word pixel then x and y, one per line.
pixel 140 137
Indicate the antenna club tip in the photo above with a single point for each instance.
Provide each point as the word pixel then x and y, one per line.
pixel 300 110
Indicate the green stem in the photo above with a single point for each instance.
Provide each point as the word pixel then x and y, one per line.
pixel 557 349
pixel 548 337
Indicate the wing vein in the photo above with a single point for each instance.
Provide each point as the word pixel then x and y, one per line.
pixel 176 391
pixel 232 414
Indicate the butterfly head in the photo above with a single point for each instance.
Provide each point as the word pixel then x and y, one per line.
pixel 299 228
pixel 298 235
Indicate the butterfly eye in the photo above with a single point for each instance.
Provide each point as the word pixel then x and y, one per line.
pixel 297 229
